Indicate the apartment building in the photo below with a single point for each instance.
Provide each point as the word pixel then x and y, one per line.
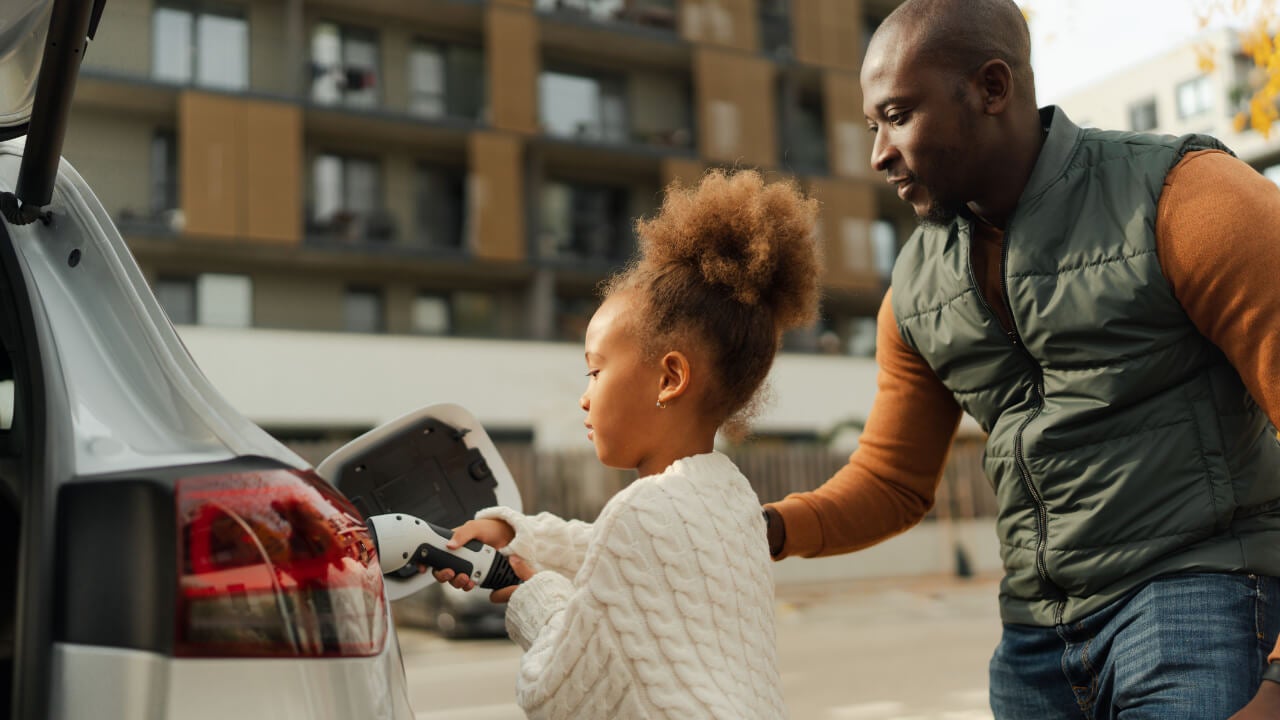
pixel 303 179
pixel 1199 86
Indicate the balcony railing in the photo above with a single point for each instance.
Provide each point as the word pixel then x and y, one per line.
pixel 656 14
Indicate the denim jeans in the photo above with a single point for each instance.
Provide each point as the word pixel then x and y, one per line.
pixel 1183 646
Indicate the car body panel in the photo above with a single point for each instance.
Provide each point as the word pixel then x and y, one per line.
pixel 135 397
pixel 120 684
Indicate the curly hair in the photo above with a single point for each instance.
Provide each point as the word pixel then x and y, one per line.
pixel 729 264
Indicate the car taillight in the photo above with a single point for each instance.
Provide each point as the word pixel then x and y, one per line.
pixel 274 563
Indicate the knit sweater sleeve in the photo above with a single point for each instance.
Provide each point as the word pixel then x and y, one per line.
pixel 584 636
pixel 544 541
pixel 612 635
pixel 1218 240
pixel 889 483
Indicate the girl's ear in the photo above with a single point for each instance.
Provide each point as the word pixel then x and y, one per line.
pixel 675 376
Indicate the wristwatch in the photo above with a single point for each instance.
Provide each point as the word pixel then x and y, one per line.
pixel 1272 672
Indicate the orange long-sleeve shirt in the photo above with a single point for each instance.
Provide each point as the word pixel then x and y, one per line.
pixel 1218 240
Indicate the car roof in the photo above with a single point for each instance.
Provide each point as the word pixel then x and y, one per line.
pixel 23 26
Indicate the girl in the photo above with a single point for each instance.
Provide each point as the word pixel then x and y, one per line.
pixel 663 607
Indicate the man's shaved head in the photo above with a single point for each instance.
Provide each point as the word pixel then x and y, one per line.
pixel 961 35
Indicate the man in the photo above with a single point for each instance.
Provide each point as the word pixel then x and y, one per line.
pixel 1105 305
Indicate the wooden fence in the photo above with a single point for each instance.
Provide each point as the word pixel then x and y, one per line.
pixel 573 484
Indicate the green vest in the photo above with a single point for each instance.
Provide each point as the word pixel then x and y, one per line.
pixel 1121 443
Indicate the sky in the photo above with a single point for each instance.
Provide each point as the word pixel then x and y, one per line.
pixel 1077 42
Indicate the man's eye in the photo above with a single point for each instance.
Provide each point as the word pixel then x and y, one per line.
pixel 896 118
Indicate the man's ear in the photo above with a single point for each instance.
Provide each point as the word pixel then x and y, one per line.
pixel 995 86
pixel 675 376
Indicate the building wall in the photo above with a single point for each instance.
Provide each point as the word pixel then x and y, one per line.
pixel 104 145
pixel 123 42
pixel 1106 104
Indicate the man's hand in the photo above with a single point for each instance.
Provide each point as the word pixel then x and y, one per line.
pixel 1264 706
pixel 494 533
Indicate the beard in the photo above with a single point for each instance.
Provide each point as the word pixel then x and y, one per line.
pixel 941 213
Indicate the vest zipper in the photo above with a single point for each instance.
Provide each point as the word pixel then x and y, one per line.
pixel 1042 513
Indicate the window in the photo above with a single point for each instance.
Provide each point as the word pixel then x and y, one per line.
pixel 344 66
pixel 441 207
pixel 430 315
pixel 884 246
pixel 207 47
pixel 775 27
pixel 475 314
pixel 213 299
pixel 1195 97
pixel 446 81
pixel 177 298
pixel 164 172
pixel 802 122
pixel 583 107
pixel 362 311
pixel 346 200
pixel 586 222
pixel 1142 116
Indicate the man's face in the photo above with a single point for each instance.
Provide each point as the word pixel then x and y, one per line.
pixel 923 128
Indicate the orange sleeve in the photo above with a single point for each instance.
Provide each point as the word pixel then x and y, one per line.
pixel 1218 240
pixel 889 483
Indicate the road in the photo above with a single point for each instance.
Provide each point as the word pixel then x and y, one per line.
pixel 913 649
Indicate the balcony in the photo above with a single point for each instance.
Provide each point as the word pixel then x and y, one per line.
pixel 644 110
pixel 659 15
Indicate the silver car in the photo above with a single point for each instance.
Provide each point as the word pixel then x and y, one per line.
pixel 162 556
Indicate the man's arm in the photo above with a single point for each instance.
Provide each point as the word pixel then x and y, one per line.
pixel 889 483
pixel 1218 240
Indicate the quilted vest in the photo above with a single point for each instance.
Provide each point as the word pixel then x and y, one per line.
pixel 1121 443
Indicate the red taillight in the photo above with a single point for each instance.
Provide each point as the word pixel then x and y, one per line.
pixel 274 563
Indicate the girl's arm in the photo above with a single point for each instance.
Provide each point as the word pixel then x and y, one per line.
pixel 591 641
pixel 544 541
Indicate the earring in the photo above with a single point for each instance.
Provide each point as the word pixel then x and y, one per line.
pixel 661 405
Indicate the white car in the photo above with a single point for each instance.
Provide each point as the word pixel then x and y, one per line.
pixel 162 556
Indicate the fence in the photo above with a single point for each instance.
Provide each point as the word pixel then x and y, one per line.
pixel 573 484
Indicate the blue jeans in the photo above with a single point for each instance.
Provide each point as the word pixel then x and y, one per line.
pixel 1183 646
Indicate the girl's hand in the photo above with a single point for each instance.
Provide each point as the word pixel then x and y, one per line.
pixel 494 533
pixel 522 570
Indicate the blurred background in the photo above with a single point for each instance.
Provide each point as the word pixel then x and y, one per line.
pixel 355 208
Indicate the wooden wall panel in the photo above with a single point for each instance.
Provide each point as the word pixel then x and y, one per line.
pixel 737 116
pixel 828 33
pixel 240 168
pixel 689 172
pixel 848 141
pixel 211 163
pixel 272 192
pixel 726 23
pixel 848 207
pixel 511 50
pixel 496 210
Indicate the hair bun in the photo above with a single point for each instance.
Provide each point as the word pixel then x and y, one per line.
pixel 752 238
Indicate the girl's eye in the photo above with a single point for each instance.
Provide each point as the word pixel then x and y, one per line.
pixel 592 373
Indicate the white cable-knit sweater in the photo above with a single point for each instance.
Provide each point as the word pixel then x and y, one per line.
pixel 661 608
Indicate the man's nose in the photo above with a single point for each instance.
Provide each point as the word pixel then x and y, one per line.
pixel 882 151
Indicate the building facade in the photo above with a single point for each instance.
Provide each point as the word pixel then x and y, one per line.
pixel 1200 86
pixel 311 185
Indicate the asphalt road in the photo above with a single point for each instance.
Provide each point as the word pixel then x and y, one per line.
pixel 912 649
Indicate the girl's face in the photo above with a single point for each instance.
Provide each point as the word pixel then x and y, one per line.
pixel 623 419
